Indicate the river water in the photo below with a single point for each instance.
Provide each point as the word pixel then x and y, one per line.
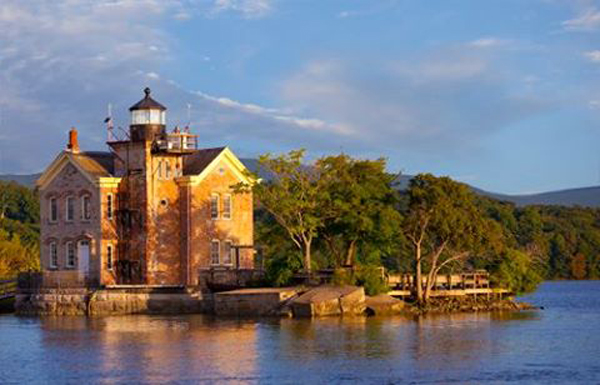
pixel 560 344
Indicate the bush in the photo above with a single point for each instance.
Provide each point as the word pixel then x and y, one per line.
pixel 371 279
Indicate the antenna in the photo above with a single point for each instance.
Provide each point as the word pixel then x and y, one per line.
pixel 109 124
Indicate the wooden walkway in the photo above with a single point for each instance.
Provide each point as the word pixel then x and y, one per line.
pixel 446 285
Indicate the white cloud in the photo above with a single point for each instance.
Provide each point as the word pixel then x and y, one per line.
pixel 594 104
pixel 588 21
pixel 487 42
pixel 593 56
pixel 444 103
pixel 248 8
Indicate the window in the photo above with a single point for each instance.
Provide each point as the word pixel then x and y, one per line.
pixel 215 252
pixel 167 169
pixel 160 166
pixel 227 206
pixel 70 257
pixel 53 255
pixel 53 210
pixel 70 209
pixel 214 206
pixel 228 253
pixel 85 207
pixel 109 206
pixel 109 257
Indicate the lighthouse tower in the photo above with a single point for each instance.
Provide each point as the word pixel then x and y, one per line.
pixel 149 164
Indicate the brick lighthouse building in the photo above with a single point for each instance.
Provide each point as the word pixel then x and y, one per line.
pixel 153 210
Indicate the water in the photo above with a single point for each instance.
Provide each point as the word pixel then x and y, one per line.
pixel 560 344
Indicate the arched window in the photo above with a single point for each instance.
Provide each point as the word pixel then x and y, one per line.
pixel 214 206
pixel 53 257
pixel 109 206
pixel 215 252
pixel 109 257
pixel 167 170
pixel 227 206
pixel 228 253
pixel 85 208
pixel 53 209
pixel 69 209
pixel 70 254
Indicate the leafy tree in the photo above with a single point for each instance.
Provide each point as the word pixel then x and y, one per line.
pixel 516 271
pixel 16 257
pixel 292 197
pixel 443 225
pixel 358 206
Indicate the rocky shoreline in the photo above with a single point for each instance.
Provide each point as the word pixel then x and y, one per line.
pixel 297 302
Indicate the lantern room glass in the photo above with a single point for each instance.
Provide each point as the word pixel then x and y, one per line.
pixel 148 117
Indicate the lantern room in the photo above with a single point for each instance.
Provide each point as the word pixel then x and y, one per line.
pixel 148 111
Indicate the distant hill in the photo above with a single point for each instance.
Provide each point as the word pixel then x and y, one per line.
pixel 586 196
pixel 25 180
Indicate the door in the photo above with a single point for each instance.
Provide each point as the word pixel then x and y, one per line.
pixel 83 256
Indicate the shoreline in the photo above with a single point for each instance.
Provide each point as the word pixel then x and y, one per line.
pixel 291 302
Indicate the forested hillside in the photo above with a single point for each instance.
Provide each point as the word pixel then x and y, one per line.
pixel 19 229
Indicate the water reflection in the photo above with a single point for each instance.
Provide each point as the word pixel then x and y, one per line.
pixel 157 349
pixel 447 348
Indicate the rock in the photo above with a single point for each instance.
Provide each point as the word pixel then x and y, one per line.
pixel 330 300
pixel 384 304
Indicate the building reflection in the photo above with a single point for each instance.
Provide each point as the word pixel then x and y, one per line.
pixel 154 349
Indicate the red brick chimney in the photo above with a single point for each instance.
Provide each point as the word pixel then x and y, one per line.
pixel 73 144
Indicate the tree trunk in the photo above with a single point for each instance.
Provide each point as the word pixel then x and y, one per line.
pixel 350 254
pixel 418 275
pixel 307 257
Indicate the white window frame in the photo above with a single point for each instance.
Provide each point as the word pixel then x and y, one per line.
pixel 110 202
pixel 53 253
pixel 69 218
pixel 214 206
pixel 215 251
pixel 228 251
pixel 110 255
pixel 70 259
pixel 227 206
pixel 86 214
pixel 53 210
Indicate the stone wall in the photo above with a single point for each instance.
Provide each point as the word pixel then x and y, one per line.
pixel 110 302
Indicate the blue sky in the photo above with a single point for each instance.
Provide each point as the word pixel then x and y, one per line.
pixel 504 95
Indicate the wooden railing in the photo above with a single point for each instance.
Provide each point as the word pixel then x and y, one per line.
pixel 478 279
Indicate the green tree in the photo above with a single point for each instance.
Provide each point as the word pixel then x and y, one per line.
pixel 443 225
pixel 292 197
pixel 516 271
pixel 358 206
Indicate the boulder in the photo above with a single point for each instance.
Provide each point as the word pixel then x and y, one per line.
pixel 330 300
pixel 384 304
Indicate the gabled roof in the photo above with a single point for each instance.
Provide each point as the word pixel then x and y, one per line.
pixel 196 162
pixel 97 163
pixel 201 163
pixel 93 165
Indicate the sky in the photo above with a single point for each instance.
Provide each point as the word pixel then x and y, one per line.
pixel 503 95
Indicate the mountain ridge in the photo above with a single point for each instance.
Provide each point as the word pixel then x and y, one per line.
pixel 580 196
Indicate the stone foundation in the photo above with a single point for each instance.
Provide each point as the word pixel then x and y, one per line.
pixel 110 302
